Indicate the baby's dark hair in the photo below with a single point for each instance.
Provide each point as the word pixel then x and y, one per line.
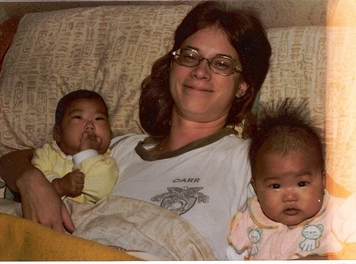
pixel 66 100
pixel 283 127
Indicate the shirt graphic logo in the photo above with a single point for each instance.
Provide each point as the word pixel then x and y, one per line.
pixel 180 200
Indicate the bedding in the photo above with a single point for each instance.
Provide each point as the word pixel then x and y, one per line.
pixel 23 239
pixel 139 228
pixel 110 49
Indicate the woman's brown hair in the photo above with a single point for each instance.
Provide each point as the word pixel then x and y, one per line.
pixel 246 35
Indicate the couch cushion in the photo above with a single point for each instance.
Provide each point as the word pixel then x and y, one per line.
pixel 298 68
pixel 110 49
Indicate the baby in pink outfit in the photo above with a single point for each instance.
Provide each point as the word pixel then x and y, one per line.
pixel 292 215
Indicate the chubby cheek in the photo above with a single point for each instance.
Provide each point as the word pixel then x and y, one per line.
pixel 313 200
pixel 105 132
pixel 72 132
pixel 270 202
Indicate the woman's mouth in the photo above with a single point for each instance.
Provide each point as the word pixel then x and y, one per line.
pixel 197 88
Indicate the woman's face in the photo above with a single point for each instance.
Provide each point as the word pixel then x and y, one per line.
pixel 200 95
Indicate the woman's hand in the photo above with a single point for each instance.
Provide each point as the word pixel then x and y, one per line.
pixel 41 203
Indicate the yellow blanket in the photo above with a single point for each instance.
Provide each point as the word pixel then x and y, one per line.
pixel 22 239
pixel 142 229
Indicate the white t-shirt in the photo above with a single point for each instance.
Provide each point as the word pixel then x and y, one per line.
pixel 205 181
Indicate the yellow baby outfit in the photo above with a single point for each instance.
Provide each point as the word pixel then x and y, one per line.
pixel 101 171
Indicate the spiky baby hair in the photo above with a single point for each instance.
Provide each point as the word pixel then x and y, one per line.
pixel 285 126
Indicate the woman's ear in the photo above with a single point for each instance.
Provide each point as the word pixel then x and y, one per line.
pixel 242 89
pixel 57 134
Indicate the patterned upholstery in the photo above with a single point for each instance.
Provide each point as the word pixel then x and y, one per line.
pixel 107 49
pixel 274 13
pixel 298 68
pixel 110 50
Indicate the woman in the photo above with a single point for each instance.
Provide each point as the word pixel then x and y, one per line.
pixel 193 163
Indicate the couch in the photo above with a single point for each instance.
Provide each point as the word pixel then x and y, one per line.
pixel 110 48
pixel 51 48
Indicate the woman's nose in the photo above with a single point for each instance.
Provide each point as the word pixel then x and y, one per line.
pixel 202 71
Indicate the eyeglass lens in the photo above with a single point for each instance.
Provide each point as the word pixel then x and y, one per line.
pixel 191 58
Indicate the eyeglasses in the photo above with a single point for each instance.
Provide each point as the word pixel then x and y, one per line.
pixel 220 64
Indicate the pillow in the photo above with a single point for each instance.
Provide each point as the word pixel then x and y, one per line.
pixel 108 49
pixel 298 68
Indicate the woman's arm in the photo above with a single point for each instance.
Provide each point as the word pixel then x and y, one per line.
pixel 40 202
pixel 13 165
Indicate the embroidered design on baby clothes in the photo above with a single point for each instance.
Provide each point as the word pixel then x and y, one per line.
pixel 254 235
pixel 311 233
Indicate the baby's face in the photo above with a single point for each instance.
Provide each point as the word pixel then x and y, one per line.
pixel 289 187
pixel 89 116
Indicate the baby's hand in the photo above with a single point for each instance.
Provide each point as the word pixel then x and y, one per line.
pixel 70 185
pixel 90 141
